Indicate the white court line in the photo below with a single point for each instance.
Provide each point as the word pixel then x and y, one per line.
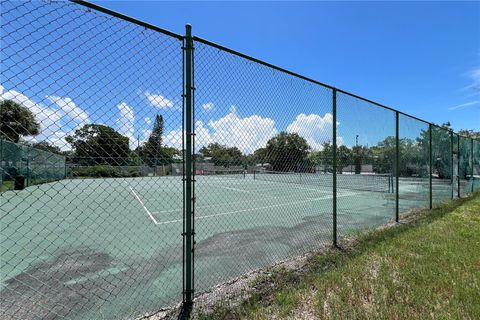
pixel 228 203
pixel 243 201
pixel 256 190
pixel 235 189
pixel 253 209
pixel 144 208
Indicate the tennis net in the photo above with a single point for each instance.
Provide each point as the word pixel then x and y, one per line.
pixel 362 182
pixel 225 173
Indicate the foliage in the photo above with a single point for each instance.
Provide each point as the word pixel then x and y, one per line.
pixel 287 151
pixel 46 146
pixel 324 158
pixel 361 155
pixel 103 171
pixel 16 121
pixel 95 144
pixel 222 155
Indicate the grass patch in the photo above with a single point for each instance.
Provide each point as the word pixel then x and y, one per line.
pixel 426 267
pixel 6 185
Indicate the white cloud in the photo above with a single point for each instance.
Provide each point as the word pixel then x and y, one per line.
pixel 158 101
pixel 253 132
pixel 209 106
pixel 125 123
pixel 247 134
pixel 463 105
pixel 474 75
pixel 50 119
pixel 70 109
pixel 315 129
pixel 148 121
pixel 202 137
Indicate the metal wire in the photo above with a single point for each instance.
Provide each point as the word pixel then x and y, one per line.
pixel 94 178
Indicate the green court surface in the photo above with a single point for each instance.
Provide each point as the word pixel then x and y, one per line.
pixel 75 244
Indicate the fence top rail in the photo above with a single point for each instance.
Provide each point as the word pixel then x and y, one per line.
pixel 237 53
pixel 127 18
pixel 245 56
pixel 220 47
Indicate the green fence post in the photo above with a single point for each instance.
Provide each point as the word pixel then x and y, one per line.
pixel 430 197
pixel 458 166
pixel 397 166
pixel 451 161
pixel 334 164
pixel 188 232
pixel 471 162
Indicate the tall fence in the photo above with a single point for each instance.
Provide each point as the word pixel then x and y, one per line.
pixel 185 164
pixel 35 166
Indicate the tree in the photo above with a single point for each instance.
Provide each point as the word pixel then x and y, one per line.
pixel 95 144
pixel 16 121
pixel 153 153
pixel 384 155
pixel 361 155
pixel 470 134
pixel 287 152
pixel 324 158
pixel 260 156
pixel 46 146
pixel 222 155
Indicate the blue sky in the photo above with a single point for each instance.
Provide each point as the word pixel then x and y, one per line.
pixel 72 66
pixel 418 57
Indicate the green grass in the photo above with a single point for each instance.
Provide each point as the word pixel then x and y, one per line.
pixel 426 268
pixel 6 185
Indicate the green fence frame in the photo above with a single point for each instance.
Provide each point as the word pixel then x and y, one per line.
pixel 188 90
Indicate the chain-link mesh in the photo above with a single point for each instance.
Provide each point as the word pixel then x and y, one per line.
pixel 414 186
pixel 93 188
pixel 267 194
pixel 27 166
pixel 476 165
pixel 442 178
pixel 465 165
pixel 365 156
pixel 105 94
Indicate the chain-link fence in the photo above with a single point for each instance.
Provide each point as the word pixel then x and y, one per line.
pixel 141 168
pixel 27 166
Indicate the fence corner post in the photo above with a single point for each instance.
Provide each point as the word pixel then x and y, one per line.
pixel 334 164
pixel 188 232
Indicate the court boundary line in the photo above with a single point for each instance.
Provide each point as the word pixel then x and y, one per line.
pixel 144 207
pixel 253 209
pixel 244 201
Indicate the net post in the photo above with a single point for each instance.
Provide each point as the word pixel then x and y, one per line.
pixel 188 200
pixel 334 164
pixel 451 162
pixel 397 165
pixel 430 193
pixel 471 162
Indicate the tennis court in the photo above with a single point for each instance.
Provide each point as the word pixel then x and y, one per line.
pixel 70 243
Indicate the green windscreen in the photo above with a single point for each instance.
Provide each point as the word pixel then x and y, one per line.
pixel 441 165
pixel 36 166
pixel 476 165
pixel 465 165
pixel 414 186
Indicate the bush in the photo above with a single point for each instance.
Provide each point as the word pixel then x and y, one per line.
pixel 104 171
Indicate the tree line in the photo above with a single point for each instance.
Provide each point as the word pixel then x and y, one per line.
pixel 101 145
